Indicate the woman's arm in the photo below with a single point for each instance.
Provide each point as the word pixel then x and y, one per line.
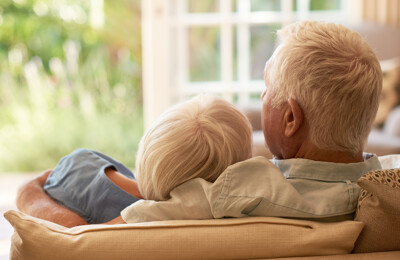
pixel 127 185
pixel 123 182
pixel 32 199
pixel 117 220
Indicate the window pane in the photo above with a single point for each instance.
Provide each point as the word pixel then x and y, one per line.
pixel 203 6
pixel 265 5
pixel 324 5
pixel 204 53
pixel 262 43
pixel 234 5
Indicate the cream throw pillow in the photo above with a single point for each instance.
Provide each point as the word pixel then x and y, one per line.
pixel 241 238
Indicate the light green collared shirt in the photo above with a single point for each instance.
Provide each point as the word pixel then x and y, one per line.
pixel 295 188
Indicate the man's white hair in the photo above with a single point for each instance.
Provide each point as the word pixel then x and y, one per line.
pixel 335 77
pixel 198 138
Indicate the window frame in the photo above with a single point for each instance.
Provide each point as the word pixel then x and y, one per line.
pixel 165 25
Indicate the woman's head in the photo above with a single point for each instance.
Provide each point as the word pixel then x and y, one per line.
pixel 198 138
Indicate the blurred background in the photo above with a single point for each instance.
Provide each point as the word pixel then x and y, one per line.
pixel 70 76
pixel 97 73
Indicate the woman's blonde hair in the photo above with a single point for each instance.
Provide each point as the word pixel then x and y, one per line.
pixel 334 76
pixel 198 138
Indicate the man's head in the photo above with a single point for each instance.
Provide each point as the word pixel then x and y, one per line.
pixel 327 76
pixel 198 138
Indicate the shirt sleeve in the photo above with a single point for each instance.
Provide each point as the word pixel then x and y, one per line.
pixel 188 201
pixel 79 183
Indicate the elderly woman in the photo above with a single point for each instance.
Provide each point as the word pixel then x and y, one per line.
pixel 323 84
pixel 198 138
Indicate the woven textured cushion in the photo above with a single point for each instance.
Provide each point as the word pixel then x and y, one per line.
pixel 379 209
pixel 242 238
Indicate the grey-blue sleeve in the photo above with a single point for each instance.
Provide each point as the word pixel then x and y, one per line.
pixel 79 183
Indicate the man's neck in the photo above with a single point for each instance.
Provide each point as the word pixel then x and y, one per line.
pixel 332 156
pixel 309 151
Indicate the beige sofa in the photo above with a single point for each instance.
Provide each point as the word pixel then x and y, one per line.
pixel 373 234
pixel 243 238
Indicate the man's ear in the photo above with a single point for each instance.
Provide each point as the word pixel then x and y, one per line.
pixel 294 118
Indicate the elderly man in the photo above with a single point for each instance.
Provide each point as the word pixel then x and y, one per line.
pixel 323 84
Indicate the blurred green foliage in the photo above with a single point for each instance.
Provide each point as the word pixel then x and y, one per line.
pixel 205 56
pixel 203 6
pixel 324 4
pixel 68 82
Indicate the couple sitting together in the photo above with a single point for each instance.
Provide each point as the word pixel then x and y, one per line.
pixel 322 91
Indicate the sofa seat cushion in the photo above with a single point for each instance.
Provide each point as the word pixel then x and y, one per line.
pixel 242 238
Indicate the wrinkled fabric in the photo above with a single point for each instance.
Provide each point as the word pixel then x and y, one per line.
pixel 295 188
pixel 79 183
